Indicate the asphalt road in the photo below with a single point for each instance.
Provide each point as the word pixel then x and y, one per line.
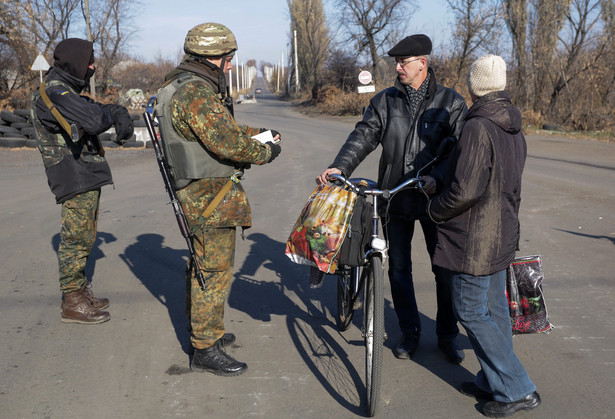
pixel 136 365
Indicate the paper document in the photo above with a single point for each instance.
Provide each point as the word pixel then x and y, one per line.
pixel 264 137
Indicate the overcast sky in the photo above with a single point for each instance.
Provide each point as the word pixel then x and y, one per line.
pixel 261 26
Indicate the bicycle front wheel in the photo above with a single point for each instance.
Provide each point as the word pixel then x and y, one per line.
pixel 345 309
pixel 374 331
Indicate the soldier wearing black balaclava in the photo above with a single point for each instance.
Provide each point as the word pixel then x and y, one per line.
pixel 75 167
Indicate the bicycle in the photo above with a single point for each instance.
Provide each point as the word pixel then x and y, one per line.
pixel 368 280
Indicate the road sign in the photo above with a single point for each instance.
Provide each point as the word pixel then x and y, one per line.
pixel 365 77
pixel 367 89
pixel 40 65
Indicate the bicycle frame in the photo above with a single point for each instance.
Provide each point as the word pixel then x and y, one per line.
pixel 369 280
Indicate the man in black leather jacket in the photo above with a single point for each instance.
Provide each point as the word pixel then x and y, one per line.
pixel 409 120
pixel 76 168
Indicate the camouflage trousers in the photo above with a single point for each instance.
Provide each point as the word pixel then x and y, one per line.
pixel 77 237
pixel 215 250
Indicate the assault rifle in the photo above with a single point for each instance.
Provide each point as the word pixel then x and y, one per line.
pixel 177 207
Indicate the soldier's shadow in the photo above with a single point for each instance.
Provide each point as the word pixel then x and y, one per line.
pixel 162 270
pixel 95 254
pixel 308 319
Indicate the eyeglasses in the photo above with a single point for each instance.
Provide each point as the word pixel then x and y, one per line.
pixel 406 62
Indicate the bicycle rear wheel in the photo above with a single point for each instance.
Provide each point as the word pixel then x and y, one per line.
pixel 374 331
pixel 345 309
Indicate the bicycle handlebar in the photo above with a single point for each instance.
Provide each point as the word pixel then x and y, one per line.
pixel 414 182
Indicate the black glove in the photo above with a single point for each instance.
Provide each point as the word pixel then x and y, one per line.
pixel 275 150
pixel 124 126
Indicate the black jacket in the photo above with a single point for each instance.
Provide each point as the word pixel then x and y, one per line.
pixel 406 145
pixel 73 168
pixel 480 204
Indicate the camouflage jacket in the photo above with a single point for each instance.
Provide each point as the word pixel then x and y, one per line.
pixel 198 114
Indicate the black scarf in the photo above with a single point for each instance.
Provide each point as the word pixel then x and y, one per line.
pixel 211 73
pixel 415 97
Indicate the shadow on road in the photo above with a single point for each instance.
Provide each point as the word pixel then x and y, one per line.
pixel 160 269
pixel 589 236
pixel 95 254
pixel 307 321
pixel 312 328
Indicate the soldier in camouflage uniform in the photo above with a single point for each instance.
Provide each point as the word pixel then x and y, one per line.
pixel 198 111
pixel 76 168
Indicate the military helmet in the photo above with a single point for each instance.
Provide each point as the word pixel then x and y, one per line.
pixel 210 40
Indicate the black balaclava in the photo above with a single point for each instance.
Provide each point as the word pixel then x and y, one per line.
pixel 74 56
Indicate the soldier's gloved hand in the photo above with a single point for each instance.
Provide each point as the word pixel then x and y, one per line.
pixel 273 133
pixel 124 126
pixel 275 150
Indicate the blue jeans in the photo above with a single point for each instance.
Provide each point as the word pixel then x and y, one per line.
pixel 481 306
pixel 399 232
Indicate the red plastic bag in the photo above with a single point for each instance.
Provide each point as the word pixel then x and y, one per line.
pixel 320 230
pixel 526 303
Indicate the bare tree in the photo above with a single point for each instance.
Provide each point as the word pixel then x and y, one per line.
pixel 342 69
pixel 29 28
pixel 546 21
pixel 372 24
pixel 517 22
pixel 475 30
pixel 313 40
pixel 148 77
pixel 110 32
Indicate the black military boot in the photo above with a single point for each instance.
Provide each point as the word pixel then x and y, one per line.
pixel 227 339
pixel 216 361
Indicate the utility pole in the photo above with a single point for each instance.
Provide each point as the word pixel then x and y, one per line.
pixel 86 5
pixel 296 65
pixel 237 71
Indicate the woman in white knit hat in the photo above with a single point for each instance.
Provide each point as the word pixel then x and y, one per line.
pixel 478 234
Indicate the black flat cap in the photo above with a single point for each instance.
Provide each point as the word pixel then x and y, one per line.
pixel 412 46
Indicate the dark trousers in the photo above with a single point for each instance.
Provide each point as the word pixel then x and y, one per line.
pixel 399 232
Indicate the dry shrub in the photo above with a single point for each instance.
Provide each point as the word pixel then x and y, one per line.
pixel 19 99
pixel 530 117
pixel 332 100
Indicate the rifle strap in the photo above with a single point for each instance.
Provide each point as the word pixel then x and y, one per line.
pixel 214 202
pixel 54 111
pixel 64 123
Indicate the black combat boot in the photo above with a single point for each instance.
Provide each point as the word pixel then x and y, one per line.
pixel 216 361
pixel 77 308
pixel 227 339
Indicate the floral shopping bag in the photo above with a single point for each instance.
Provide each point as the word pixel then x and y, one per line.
pixel 318 233
pixel 528 310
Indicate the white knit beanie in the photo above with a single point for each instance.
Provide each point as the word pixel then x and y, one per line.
pixel 487 74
